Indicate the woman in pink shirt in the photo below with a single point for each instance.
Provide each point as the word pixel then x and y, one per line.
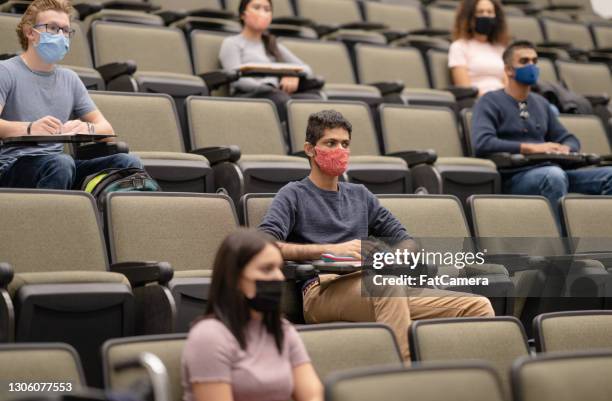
pixel 242 350
pixel 480 36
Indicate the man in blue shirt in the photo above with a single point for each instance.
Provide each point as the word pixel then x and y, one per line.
pixel 320 215
pixel 515 120
pixel 37 97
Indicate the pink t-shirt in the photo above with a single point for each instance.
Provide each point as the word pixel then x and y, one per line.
pixel 259 373
pixel 482 60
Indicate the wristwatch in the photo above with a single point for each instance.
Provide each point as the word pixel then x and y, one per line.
pixel 29 129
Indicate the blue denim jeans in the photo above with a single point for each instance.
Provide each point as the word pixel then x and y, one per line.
pixel 553 182
pixel 60 171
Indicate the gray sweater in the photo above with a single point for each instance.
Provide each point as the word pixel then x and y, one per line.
pixel 238 50
pixel 303 213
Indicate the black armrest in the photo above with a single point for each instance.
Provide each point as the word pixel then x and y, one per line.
pixel 598 100
pixel 130 5
pixel 170 16
pixel 141 273
pixel 389 88
pixel 219 78
pixel 6 274
pixel 555 45
pixel 364 25
pixel 299 272
pixel 507 160
pixel 86 9
pixel 113 70
pixel 298 21
pixel 463 92
pixel 323 30
pixel 6 56
pixel 414 157
pixel 100 149
pixel 430 32
pixel 209 13
pixel 218 154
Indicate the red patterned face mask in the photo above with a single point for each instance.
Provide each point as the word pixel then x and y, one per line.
pixel 332 161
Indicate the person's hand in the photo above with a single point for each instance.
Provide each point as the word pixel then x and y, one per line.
pixel 349 248
pixel 48 125
pixel 289 84
pixel 547 147
pixel 78 126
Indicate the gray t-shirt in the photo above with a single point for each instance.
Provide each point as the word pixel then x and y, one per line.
pixel 26 95
pixel 238 50
pixel 303 213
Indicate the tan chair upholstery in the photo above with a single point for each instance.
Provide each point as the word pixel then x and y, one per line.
pixel 576 34
pixel 588 222
pixel 168 348
pixel 39 363
pixel 149 124
pixel 438 66
pixel 333 347
pixel 498 341
pixel 183 229
pixel 365 158
pixel 603 35
pixel 441 18
pixel 253 125
pixel 329 12
pixel 431 382
pixel 397 17
pixel 331 61
pixel 590 132
pixel 525 28
pixel 254 208
pixel 188 5
pixel 436 128
pixel 586 78
pixel 564 377
pixel 167 70
pixel 573 331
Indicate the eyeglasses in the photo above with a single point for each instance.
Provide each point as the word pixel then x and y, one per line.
pixel 523 111
pixel 55 29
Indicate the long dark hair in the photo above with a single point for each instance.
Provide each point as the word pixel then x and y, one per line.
pixel 268 39
pixel 465 16
pixel 225 300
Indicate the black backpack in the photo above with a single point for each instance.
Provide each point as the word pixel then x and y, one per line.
pixel 118 180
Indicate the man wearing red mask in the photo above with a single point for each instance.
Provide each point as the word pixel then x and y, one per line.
pixel 320 215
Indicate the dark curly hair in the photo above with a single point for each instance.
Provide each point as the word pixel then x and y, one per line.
pixel 326 119
pixel 466 13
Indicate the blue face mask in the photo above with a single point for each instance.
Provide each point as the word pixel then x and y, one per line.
pixel 527 75
pixel 52 48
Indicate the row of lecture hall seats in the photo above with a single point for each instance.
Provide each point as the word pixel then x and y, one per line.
pixel 472 359
pixel 75 276
pixel 348 70
pixel 435 153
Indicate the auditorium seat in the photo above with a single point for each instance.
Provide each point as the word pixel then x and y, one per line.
pixel 590 132
pixel 588 224
pixel 184 230
pixel 421 128
pixel 547 278
pixel 39 363
pixel 496 340
pixel 587 79
pixel 252 125
pixel 149 123
pixel 191 15
pixel 574 33
pixel 334 347
pixel 441 18
pixel 331 61
pixel 167 69
pixel 466 382
pixel 168 348
pixel 439 224
pixel 381 174
pixel 63 289
pixel 602 35
pixel 205 47
pixel 573 331
pixel 525 28
pixel 253 208
pixel 388 64
pixel 402 18
pixel 563 377
pixel 123 16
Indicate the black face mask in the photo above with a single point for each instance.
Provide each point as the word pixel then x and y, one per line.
pixel 268 296
pixel 485 25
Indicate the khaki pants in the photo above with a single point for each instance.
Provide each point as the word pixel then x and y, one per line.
pixel 341 300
